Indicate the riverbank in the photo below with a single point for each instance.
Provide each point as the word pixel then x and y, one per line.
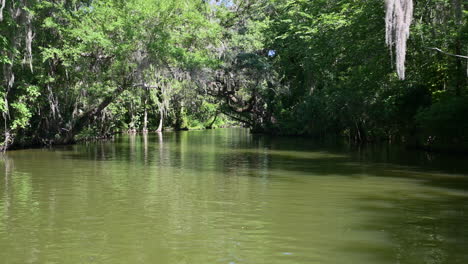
pixel 451 149
pixel 86 137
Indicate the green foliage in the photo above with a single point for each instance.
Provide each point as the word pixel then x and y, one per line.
pixel 21 108
pixel 445 118
pixel 303 67
pixel 331 58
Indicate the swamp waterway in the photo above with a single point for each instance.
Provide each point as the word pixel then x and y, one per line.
pixel 228 197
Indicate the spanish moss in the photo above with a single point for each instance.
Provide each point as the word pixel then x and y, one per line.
pixel 398 17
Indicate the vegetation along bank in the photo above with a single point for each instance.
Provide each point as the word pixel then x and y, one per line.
pixel 365 70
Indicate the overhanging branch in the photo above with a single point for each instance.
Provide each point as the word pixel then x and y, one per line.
pixel 448 54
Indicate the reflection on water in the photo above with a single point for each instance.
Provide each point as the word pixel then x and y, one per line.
pixel 226 196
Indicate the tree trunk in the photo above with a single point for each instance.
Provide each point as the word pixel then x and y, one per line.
pixel 88 116
pixel 161 120
pixel 145 121
pixel 210 126
pixel 2 6
pixel 460 81
pixel 145 117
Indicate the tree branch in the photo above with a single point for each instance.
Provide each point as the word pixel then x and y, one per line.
pixel 97 57
pixel 145 86
pixel 449 54
pixel 237 118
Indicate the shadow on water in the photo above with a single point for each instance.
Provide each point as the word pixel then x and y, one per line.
pixel 429 229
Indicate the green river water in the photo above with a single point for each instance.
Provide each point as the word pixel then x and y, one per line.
pixel 228 197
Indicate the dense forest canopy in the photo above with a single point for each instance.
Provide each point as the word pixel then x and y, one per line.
pixel 365 70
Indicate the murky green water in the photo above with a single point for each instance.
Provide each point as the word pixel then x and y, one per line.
pixel 226 196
